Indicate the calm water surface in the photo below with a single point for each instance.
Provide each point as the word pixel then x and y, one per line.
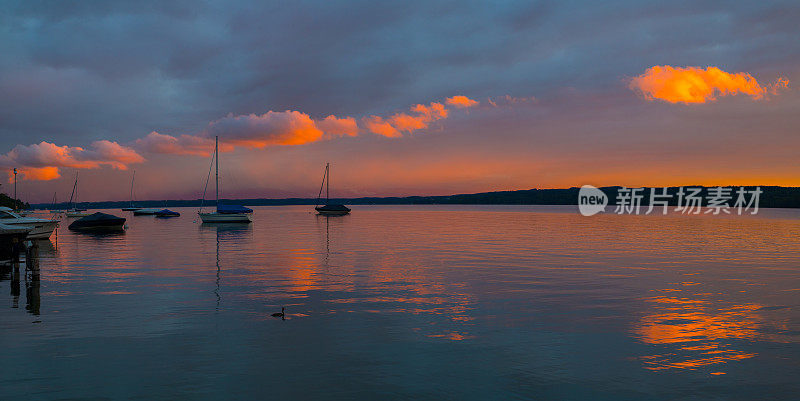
pixel 412 302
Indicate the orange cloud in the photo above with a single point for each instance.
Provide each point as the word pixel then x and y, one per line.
pixel 435 111
pixel 780 83
pixel 423 116
pixel 377 125
pixel 271 128
pixel 333 126
pixel 461 101
pixel 41 161
pixel 36 174
pixel 698 85
pixel 398 123
pixel 113 154
pixel 296 128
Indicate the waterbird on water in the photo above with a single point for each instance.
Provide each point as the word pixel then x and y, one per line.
pixel 279 314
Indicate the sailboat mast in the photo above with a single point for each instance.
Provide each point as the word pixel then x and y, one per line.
pixel 132 179
pixel 328 185
pixel 15 188
pixel 216 179
pixel 74 186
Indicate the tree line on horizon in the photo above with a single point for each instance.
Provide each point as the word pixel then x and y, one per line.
pixel 771 197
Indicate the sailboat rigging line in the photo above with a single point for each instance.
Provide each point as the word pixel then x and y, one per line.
pixel 74 188
pixel 208 178
pixel 321 186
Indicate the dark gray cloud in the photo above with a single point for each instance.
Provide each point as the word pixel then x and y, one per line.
pixel 85 70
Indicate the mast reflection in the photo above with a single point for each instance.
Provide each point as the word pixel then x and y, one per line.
pixel 225 232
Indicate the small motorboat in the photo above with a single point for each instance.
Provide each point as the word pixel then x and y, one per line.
pixel 99 222
pixel 167 213
pixel 37 228
pixel 146 211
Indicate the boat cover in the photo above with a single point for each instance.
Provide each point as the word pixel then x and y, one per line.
pixel 230 209
pixel 97 220
pixel 167 212
pixel 334 208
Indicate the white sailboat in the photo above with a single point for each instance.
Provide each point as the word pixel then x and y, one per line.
pixel 224 213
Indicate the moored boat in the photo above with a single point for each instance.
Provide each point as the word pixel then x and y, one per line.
pixel 228 214
pixel 75 211
pixel 39 228
pixel 131 208
pixel 167 213
pixel 329 209
pixel 146 211
pixel 224 213
pixel 333 210
pixel 98 222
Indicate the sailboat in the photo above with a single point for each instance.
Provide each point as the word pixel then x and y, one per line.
pixel 73 211
pixel 131 207
pixel 224 213
pixel 330 209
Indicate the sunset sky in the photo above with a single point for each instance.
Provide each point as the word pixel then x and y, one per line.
pixel 403 98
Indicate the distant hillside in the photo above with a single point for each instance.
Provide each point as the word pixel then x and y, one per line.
pixel 776 197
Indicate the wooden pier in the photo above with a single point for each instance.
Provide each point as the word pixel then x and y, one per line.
pixel 31 273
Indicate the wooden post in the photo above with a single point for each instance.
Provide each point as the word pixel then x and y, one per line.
pixel 32 259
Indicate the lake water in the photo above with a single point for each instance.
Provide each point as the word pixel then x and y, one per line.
pixel 412 302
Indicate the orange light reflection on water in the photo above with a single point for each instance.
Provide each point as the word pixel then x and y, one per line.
pixel 697 331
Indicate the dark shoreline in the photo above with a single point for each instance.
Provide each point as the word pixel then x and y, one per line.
pixel 772 197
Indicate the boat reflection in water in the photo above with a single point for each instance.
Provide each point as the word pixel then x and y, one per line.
pixel 224 233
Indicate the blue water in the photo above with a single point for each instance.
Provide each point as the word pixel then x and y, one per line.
pixel 411 302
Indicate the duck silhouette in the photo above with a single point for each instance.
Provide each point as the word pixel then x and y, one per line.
pixel 280 314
